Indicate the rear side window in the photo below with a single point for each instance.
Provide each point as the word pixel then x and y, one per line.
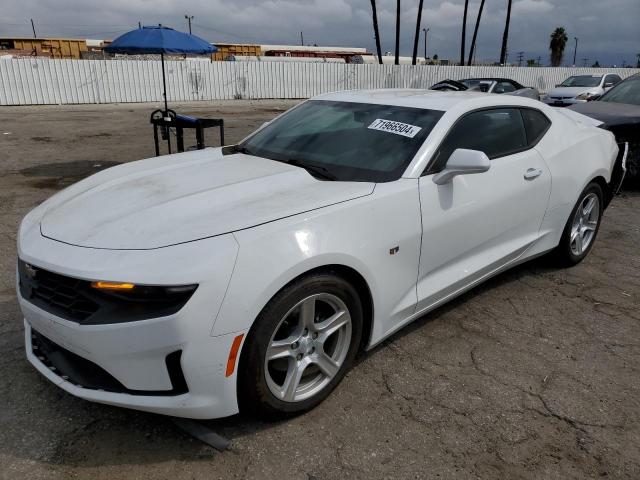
pixel 504 87
pixel 612 79
pixel 535 124
pixel 496 132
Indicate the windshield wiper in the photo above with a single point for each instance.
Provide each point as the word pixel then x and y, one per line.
pixel 315 170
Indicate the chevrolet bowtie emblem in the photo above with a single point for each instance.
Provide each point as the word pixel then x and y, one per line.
pixel 29 270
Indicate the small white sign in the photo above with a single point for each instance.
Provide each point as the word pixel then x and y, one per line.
pixel 398 128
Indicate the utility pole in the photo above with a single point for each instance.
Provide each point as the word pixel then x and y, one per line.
pixel 575 50
pixel 505 36
pixel 139 25
pixel 539 60
pixel 301 39
pixel 416 37
pixel 426 32
pixel 397 61
pixel 189 18
pixel 584 60
pixel 33 28
pixel 520 55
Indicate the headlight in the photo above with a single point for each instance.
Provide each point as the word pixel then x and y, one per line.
pixel 100 302
pixel 586 96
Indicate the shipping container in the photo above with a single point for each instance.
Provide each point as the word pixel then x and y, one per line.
pixel 235 49
pixel 46 47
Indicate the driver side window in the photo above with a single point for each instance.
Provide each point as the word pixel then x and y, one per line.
pixel 496 132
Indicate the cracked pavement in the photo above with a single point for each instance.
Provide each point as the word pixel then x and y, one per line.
pixel 534 374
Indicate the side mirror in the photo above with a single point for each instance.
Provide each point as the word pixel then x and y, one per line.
pixel 593 97
pixel 462 162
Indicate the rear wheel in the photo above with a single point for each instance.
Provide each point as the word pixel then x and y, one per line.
pixel 300 346
pixel 582 227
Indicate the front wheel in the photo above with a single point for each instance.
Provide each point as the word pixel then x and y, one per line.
pixel 300 346
pixel 582 227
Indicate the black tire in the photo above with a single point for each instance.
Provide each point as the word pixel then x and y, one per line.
pixel 254 395
pixel 563 252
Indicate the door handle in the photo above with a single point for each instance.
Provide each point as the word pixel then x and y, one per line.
pixel 532 173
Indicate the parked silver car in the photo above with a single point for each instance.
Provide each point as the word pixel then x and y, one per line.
pixel 580 89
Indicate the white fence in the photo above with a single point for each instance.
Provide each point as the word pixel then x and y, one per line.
pixel 43 81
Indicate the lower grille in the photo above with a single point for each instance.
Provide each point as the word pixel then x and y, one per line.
pixel 86 374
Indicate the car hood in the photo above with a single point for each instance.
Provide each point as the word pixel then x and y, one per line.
pixel 180 198
pixel 572 91
pixel 610 113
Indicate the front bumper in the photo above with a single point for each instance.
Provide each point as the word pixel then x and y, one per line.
pixel 561 101
pixel 134 354
pixel 207 397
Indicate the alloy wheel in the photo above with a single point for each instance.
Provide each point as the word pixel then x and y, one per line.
pixel 308 347
pixel 584 224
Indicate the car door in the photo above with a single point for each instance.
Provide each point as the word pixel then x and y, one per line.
pixel 478 223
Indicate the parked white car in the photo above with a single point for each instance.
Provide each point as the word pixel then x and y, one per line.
pixel 580 89
pixel 249 276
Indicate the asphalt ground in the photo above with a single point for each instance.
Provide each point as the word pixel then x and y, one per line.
pixel 535 374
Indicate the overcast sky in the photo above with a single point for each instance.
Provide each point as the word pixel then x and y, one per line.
pixel 607 29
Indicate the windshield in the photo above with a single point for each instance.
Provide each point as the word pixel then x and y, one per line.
pixel 625 92
pixel 582 81
pixel 477 84
pixel 347 141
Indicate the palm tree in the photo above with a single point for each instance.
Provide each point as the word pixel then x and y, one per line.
pixel 556 46
pixel 397 61
pixel 376 32
pixel 417 36
pixel 505 36
pixel 475 33
pixel 464 31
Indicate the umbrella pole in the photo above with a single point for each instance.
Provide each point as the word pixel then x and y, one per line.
pixel 166 108
pixel 164 84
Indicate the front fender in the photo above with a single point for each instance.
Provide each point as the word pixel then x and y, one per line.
pixel 358 234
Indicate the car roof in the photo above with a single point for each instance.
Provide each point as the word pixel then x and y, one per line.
pixel 428 99
pixel 493 79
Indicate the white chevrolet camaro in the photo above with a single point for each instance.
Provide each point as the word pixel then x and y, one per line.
pixel 248 277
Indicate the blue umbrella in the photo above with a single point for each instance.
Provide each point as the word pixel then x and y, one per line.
pixel 160 40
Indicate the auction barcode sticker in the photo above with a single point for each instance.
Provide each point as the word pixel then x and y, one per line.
pixel 398 128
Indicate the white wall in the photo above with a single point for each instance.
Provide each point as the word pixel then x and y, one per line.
pixel 42 81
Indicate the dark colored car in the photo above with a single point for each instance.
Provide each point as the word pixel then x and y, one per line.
pixel 488 85
pixel 619 109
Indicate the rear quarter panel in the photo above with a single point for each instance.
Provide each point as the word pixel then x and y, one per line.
pixel 576 154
